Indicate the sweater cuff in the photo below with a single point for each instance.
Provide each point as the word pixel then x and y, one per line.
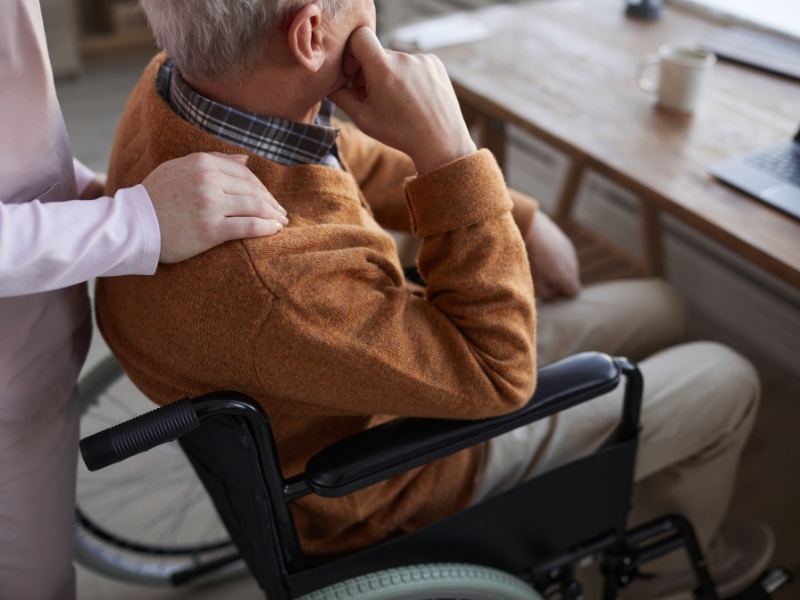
pixel 465 192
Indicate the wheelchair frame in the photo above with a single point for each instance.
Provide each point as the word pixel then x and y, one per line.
pixel 536 531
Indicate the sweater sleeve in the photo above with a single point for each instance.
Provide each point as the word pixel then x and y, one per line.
pixel 381 172
pixel 345 336
pixel 52 245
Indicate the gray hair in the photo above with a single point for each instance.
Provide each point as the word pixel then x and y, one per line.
pixel 222 39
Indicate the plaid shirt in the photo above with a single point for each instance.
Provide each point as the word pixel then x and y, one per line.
pixel 280 140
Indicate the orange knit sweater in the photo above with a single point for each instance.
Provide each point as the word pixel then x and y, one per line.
pixel 315 322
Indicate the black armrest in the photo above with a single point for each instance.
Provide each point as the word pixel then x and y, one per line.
pixel 404 444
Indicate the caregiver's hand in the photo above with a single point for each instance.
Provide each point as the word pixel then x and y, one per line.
pixel 205 199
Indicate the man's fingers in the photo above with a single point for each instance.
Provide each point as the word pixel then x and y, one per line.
pixel 557 284
pixel 360 79
pixel 366 49
pixel 544 290
pixel 250 206
pixel 350 64
pixel 570 285
pixel 237 228
pixel 349 101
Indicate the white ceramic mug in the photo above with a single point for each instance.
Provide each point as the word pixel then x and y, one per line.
pixel 682 73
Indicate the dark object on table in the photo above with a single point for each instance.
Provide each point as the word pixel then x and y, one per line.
pixel 772 175
pixel 644 9
pixel 760 50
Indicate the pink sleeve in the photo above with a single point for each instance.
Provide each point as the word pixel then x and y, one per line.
pixel 58 244
pixel 83 175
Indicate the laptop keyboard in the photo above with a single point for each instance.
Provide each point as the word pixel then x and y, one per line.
pixel 782 161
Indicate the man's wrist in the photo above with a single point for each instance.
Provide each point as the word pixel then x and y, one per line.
pixel 429 163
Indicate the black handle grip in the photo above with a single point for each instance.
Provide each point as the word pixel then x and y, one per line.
pixel 138 435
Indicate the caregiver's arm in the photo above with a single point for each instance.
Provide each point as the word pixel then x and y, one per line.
pixel 185 207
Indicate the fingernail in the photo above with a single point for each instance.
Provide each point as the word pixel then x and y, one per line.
pixel 284 220
pixel 282 211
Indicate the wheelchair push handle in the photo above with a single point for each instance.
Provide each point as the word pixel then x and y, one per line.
pixel 138 435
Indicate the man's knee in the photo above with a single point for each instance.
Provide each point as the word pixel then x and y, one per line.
pixel 736 384
pixel 716 389
pixel 700 398
pixel 647 314
pixel 634 318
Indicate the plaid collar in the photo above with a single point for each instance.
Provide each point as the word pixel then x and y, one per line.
pixel 279 140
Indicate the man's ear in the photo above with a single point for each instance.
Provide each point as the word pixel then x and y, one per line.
pixel 305 37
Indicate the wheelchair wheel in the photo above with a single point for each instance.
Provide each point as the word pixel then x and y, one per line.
pixel 430 582
pixel 148 519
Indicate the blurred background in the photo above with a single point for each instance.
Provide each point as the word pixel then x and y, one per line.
pixel 98 49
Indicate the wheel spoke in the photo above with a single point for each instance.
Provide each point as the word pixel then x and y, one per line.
pixel 184 510
pixel 158 519
pixel 153 509
pixel 138 490
pixel 178 509
pixel 113 507
pixel 211 525
pixel 143 480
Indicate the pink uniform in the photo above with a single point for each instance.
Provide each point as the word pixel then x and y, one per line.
pixel 49 246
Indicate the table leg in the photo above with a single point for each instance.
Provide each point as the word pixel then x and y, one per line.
pixel 493 137
pixel 471 114
pixel 652 238
pixel 566 199
pixel 491 131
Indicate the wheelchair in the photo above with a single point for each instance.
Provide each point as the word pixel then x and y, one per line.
pixel 523 544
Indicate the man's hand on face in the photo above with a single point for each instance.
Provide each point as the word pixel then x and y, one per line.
pixel 405 101
pixel 203 200
pixel 554 263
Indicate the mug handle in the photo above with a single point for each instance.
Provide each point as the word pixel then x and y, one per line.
pixel 648 85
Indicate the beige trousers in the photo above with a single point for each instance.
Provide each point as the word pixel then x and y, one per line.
pixel 37 510
pixel 700 401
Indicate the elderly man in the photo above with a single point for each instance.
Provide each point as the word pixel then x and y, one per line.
pixel 318 324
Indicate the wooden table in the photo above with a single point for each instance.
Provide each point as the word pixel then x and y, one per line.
pixel 563 71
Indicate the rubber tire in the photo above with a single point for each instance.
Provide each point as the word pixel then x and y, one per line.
pixel 430 582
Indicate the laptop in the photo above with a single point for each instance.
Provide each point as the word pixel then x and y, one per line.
pixel 772 175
